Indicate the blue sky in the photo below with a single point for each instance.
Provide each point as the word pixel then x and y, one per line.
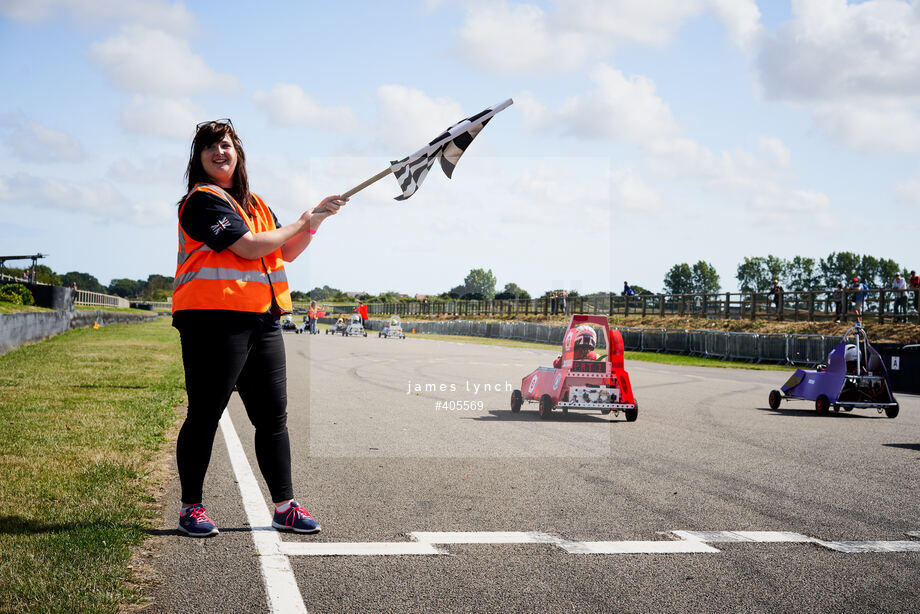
pixel 644 133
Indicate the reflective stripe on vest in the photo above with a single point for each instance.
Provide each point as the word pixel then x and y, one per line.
pixel 206 279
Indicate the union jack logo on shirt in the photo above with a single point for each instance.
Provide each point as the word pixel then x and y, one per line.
pixel 222 224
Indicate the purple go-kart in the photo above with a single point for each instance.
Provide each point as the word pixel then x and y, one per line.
pixel 855 376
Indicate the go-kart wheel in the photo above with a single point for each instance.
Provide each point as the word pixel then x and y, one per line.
pixel 365 333
pixel 775 399
pixel 546 406
pixel 892 412
pixel 605 412
pixel 631 414
pixel 517 400
pixel 822 404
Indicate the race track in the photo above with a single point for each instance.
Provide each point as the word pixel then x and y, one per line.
pixel 709 502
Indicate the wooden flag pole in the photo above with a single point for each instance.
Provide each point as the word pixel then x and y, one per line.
pixel 364 184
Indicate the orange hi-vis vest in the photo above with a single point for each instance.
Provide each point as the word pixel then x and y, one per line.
pixel 206 279
pixel 311 312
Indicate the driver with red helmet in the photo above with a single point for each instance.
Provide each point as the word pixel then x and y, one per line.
pixel 585 340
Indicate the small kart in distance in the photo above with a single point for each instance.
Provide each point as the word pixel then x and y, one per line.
pixel 355 328
pixel 287 323
pixel 580 383
pixel 393 330
pixel 338 327
pixel 855 376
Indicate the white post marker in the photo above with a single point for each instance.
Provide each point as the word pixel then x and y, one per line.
pixel 281 588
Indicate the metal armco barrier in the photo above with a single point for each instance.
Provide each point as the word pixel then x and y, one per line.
pixel 751 347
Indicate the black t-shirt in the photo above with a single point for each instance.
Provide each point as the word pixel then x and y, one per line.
pixel 210 219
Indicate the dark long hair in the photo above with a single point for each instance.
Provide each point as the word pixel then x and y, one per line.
pixel 208 134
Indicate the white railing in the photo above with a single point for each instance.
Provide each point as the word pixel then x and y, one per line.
pixel 95 299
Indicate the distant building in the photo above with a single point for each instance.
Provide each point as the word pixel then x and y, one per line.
pixel 355 294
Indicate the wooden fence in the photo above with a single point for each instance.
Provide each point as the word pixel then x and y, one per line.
pixel 882 305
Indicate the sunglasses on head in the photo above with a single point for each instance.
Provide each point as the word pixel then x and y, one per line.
pixel 223 122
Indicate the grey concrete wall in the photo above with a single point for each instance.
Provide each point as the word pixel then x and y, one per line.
pixel 19 328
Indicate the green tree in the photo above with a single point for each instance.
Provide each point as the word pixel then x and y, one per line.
pixel 640 289
pixel 157 288
pixel 480 283
pixel 704 278
pixel 326 293
pixel 801 274
pixel 757 274
pixel 512 291
pixel 839 267
pixel 125 288
pixel 45 275
pixel 84 281
pixel 679 280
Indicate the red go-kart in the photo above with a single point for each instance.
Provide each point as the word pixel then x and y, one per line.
pixel 601 384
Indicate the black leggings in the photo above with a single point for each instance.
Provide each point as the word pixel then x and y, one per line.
pixel 215 359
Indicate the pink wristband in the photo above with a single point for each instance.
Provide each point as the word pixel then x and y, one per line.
pixel 311 231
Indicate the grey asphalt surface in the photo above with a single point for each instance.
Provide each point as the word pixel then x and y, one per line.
pixel 374 460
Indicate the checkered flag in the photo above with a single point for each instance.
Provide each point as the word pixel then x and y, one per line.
pixel 447 147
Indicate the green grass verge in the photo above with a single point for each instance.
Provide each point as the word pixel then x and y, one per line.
pixel 668 359
pixel 83 417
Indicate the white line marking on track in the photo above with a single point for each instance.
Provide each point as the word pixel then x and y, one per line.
pixel 484 537
pixel 743 536
pixel 688 542
pixel 280 584
pixel 871 546
pixel 357 548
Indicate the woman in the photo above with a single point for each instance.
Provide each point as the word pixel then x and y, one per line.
pixel 229 293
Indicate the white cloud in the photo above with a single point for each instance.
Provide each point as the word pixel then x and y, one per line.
pixel 171 16
pixel 872 128
pixel 96 198
pixel 620 107
pixel 173 118
pixel 908 191
pixel 657 23
pixel 287 104
pixel 776 149
pixel 31 141
pixel 630 191
pixel 781 207
pixel 151 61
pixel 410 118
pixel 162 170
pixel 856 66
pixel 832 50
pixel 522 37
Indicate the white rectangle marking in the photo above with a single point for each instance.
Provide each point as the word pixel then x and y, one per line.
pixel 357 548
pixel 638 547
pixel 871 546
pixel 483 537
pixel 743 536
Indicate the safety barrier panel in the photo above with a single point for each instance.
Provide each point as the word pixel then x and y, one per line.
pixel 749 347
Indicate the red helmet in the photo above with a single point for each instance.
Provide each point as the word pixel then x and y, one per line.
pixel 585 337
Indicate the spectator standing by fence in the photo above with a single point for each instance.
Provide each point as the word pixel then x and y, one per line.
pixel 552 303
pixel 777 293
pixel 914 284
pixel 837 296
pixel 562 296
pixel 899 287
pixel 859 297
pixel 627 291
